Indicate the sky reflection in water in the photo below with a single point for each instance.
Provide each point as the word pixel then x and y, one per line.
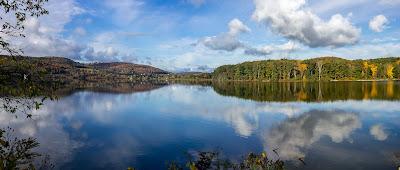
pixel 93 130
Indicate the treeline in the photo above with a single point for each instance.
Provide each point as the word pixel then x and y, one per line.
pixel 189 76
pixel 58 69
pixel 325 68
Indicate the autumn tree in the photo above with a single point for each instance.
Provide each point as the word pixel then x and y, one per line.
pixel 374 70
pixel 302 68
pixel 397 69
pixel 389 71
pixel 365 67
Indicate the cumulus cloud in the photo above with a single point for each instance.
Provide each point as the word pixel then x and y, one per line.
pixel 378 132
pixel 227 41
pixel 108 54
pixel 236 26
pixel 292 20
pixel 39 42
pixel 378 23
pixel 61 12
pixel 44 35
pixel 106 47
pixel 294 135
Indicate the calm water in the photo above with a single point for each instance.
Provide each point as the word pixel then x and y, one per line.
pixel 331 125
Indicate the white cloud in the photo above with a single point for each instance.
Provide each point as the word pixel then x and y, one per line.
pixel 40 42
pixel 44 35
pixel 227 41
pixel 269 49
pixel 106 47
pixel 378 23
pixel 292 20
pixel 378 132
pixel 369 50
pixel 125 11
pixel 236 26
pixel 61 12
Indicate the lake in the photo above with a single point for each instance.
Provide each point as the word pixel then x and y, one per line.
pixel 334 125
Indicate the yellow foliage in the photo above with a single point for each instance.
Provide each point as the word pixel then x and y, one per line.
pixel 264 155
pixel 389 71
pixel 398 62
pixel 365 65
pixel 374 70
pixel 302 68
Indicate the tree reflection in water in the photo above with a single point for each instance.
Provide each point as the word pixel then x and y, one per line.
pixel 18 153
pixel 21 97
pixel 295 135
pixel 309 91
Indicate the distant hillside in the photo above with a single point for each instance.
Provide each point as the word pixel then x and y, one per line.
pixel 127 68
pixel 191 76
pixel 324 68
pixel 65 70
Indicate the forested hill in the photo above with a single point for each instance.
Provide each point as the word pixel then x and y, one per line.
pixel 324 68
pixel 66 70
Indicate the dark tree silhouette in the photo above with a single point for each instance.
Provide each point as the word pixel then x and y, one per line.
pixel 16 12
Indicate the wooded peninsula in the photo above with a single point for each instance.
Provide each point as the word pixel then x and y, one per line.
pixel 324 69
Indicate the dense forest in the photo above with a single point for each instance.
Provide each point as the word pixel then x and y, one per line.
pixel 325 68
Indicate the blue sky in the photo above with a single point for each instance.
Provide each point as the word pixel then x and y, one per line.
pixel 199 35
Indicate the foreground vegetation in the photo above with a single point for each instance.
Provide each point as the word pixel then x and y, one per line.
pixel 325 69
pixel 212 160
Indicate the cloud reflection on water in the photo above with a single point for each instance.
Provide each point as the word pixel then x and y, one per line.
pixel 293 127
pixel 378 132
pixel 295 135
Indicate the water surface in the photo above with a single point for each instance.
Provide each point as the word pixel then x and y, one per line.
pixel 342 125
